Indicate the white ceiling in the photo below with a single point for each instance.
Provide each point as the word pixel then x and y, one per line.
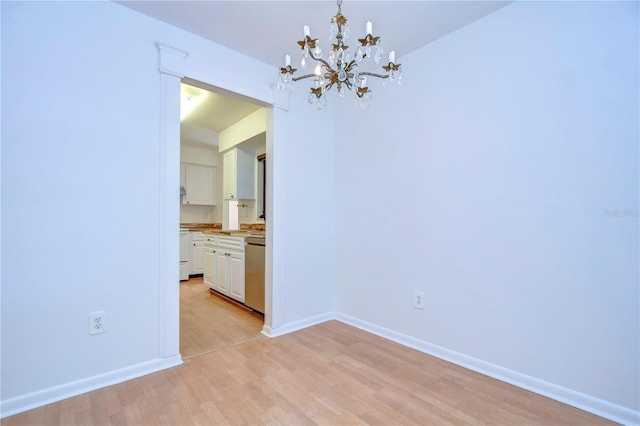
pixel 267 30
pixel 209 105
pixel 205 111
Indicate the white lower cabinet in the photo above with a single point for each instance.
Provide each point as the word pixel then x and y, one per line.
pixel 197 253
pixel 235 268
pixel 224 265
pixel 210 267
pixel 221 285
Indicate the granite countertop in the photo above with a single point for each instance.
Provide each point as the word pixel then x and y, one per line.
pixel 200 226
pixel 236 232
pixel 247 230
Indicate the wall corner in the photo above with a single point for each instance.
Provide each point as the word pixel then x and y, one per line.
pixel 280 98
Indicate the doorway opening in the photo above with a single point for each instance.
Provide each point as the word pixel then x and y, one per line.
pixel 219 194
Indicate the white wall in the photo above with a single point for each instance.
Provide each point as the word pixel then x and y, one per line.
pixel 80 182
pixel 199 155
pixel 502 180
pixel 301 170
pixel 81 139
pixel 200 214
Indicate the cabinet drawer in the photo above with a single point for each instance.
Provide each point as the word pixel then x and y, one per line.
pixel 197 236
pixel 231 243
pixel 210 240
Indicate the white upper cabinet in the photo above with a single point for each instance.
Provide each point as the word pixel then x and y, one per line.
pixel 238 174
pixel 199 184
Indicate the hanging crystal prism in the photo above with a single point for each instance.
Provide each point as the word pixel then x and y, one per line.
pixel 378 55
pixel 284 81
pixel 356 76
pixel 346 31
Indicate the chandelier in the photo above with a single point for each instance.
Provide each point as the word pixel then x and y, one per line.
pixel 341 69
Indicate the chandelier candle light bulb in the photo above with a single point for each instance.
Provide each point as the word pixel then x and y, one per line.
pixel 342 69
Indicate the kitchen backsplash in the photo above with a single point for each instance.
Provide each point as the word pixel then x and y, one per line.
pixel 247 211
pixel 254 226
pixel 213 214
pixel 198 214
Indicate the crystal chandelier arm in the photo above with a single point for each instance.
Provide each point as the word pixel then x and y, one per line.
pixel 374 74
pixel 325 63
pixel 302 77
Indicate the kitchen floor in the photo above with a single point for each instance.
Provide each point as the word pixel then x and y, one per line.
pixel 209 323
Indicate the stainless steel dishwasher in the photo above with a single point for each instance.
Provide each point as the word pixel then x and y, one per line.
pixel 254 273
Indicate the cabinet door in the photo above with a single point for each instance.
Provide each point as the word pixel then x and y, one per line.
pixel 239 174
pixel 222 285
pixel 197 257
pixel 229 174
pixel 200 184
pixel 236 276
pixel 210 261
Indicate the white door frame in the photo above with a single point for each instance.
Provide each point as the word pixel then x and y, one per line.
pixel 172 63
pixel 172 66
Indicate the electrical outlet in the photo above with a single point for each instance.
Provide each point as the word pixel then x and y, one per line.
pixel 97 322
pixel 418 300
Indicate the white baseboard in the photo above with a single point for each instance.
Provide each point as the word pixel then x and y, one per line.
pixel 297 325
pixel 576 399
pixel 32 400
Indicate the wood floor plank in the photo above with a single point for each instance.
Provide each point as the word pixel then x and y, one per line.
pixel 209 322
pixel 330 374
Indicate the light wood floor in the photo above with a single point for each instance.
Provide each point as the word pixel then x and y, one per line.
pixel 208 322
pixel 329 374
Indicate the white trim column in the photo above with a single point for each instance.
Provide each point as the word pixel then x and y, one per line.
pixel 274 265
pixel 171 67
